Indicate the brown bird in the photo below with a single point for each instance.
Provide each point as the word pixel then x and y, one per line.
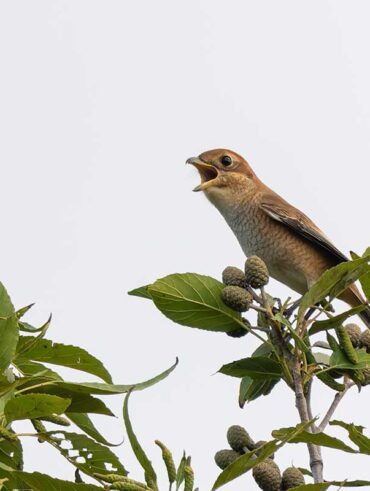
pixel 294 249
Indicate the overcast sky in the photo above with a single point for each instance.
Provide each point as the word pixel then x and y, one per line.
pixel 101 103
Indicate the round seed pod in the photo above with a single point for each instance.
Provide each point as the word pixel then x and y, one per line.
pixel 259 444
pixel 354 333
pixel 232 276
pixel 291 478
pixel 256 272
pixel 239 333
pixel 239 439
pixel 236 298
pixel 223 458
pixel 267 475
pixel 365 340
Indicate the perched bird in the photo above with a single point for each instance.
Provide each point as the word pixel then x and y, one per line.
pixel 294 249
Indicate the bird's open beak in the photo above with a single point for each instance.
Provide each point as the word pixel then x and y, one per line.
pixel 208 173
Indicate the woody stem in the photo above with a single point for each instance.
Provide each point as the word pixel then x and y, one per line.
pixel 314 451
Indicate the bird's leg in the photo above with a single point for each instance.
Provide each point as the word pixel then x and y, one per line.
pixel 289 311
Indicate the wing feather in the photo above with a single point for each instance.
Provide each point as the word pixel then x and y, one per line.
pixel 280 210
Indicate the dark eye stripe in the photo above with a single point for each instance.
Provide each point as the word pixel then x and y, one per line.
pixel 226 160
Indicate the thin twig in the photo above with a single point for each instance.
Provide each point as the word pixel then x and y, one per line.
pixel 337 398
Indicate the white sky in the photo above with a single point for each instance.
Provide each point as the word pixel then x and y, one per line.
pixel 100 105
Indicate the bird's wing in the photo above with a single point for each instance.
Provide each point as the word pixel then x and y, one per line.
pixel 280 210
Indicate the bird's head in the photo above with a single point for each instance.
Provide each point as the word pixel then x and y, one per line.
pixel 224 174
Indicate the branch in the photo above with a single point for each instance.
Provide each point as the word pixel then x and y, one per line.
pixel 316 462
pixel 337 398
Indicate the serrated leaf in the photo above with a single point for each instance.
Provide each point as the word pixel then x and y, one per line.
pixel 135 445
pixel 336 321
pixel 26 343
pixel 333 282
pixel 256 367
pixel 142 292
pixel 249 460
pixel 6 306
pixel 321 439
pixel 31 406
pixel 86 454
pixel 83 421
pixel 11 454
pixel 34 369
pixel 36 481
pixel 313 487
pixel 46 351
pixel 80 402
pixel 194 300
pixel 355 434
pixel 22 311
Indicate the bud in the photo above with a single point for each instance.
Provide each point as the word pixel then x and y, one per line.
pixel 168 461
pixel 188 477
pixel 239 439
pixel 354 333
pixel 256 272
pixel 232 276
pixel 346 344
pixel 224 458
pixel 292 477
pixel 7 434
pixel 267 475
pixel 236 298
pixel 56 419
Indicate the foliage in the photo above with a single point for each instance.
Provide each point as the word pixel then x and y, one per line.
pixel 289 351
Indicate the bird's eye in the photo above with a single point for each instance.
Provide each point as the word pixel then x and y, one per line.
pixel 226 160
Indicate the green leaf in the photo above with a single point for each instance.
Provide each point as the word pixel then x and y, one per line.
pixel 136 447
pixel 36 481
pixel 11 454
pixel 80 402
pixel 356 435
pixel 251 389
pixel 47 351
pixel 142 292
pixel 9 338
pixel 180 474
pixel 83 421
pixel 86 454
pixel 321 439
pixel 34 369
pixel 6 306
pixel 194 300
pixel 249 460
pixel 256 367
pixel 299 341
pixel 336 321
pixel 333 282
pixel 31 406
pixel 339 360
pixel 313 487
pixel 26 343
pixel 22 311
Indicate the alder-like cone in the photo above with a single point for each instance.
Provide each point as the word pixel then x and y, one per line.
pixel 232 276
pixel 239 438
pixel 365 340
pixel 223 458
pixel 292 477
pixel 256 272
pixel 354 333
pixel 267 475
pixel 236 298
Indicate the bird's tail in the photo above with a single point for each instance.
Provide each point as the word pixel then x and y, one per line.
pixel 353 297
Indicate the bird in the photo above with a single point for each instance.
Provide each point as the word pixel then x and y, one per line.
pixel 295 250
